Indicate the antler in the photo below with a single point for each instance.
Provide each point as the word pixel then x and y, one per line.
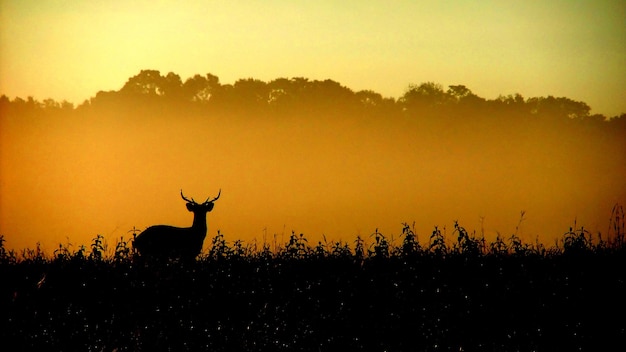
pixel 187 200
pixel 214 199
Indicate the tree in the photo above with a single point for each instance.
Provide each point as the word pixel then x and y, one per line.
pixel 511 100
pixel 370 98
pixel 201 88
pixel 374 103
pixel 424 97
pixel 149 82
pixel 304 95
pixel 459 92
pixel 619 123
pixel 463 96
pixel 172 86
pixel 251 92
pixel 558 107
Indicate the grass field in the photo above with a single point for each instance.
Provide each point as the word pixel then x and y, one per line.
pixel 447 294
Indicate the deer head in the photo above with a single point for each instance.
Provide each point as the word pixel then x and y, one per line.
pixel 169 242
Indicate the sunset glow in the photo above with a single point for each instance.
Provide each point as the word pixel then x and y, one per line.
pixel 68 179
pixel 72 49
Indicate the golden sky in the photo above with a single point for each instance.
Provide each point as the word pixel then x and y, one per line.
pixel 76 179
pixel 72 49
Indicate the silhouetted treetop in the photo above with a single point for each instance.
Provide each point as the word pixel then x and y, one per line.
pixel 425 95
pixel 201 88
pixel 300 94
pixel 558 107
pixel 148 82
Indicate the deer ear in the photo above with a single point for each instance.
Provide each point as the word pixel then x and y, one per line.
pixel 190 206
pixel 210 206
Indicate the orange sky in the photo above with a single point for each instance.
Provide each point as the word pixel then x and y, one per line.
pixel 75 179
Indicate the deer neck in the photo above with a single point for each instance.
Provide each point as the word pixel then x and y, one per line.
pixel 199 223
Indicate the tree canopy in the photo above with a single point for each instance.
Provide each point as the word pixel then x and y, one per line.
pixel 290 95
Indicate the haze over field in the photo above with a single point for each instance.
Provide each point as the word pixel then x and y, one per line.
pixel 312 157
pixel 336 135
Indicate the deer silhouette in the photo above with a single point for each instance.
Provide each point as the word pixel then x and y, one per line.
pixel 169 242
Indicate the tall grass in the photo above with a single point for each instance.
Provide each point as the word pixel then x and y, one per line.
pixel 576 241
pixel 443 292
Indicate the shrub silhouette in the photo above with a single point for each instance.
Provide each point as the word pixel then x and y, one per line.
pixel 471 297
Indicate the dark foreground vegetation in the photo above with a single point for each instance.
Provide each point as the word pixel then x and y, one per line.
pixel 457 294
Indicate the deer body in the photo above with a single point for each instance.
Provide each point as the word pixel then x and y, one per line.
pixel 169 242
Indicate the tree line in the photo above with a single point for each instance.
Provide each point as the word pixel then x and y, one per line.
pixel 296 95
